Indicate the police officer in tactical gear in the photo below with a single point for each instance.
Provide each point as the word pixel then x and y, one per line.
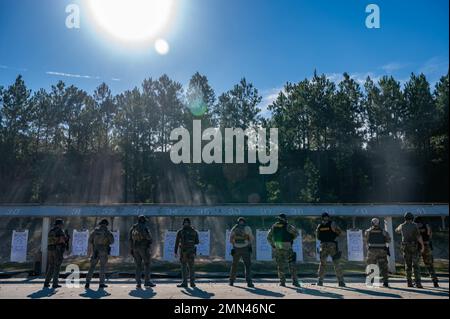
pixel 377 241
pixel 241 238
pixel 57 244
pixel 100 241
pixel 327 232
pixel 427 255
pixel 412 247
pixel 281 237
pixel 140 241
pixel 186 241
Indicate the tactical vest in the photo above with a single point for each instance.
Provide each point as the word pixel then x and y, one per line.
pixel 240 236
pixel 326 234
pixel 376 238
pixel 188 238
pixel 424 232
pixel 281 233
pixel 100 237
pixel 138 234
pixel 54 235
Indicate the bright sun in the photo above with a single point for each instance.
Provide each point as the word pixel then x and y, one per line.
pixel 132 20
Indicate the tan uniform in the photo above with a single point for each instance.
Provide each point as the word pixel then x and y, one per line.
pixel 100 240
pixel 410 250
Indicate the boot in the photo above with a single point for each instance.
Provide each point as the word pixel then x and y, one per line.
pixel 101 286
pixel 149 284
pixel 231 283
pixel 56 286
pixel 193 285
pixel 282 284
pixel 296 283
pixel 436 283
pixel 86 286
pixel 138 286
pixel 419 285
pixel 250 285
pixel 341 284
pixel 46 285
pixel 385 284
pixel 183 285
pixel 410 284
pixel 319 283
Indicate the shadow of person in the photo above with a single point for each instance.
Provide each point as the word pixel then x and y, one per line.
pixel 262 292
pixel 198 293
pixel 320 293
pixel 376 292
pixel 95 294
pixel 424 291
pixel 43 293
pixel 142 293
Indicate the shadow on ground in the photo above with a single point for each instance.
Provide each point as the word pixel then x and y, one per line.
pixel 197 293
pixel 95 294
pixel 262 292
pixel 43 293
pixel 142 293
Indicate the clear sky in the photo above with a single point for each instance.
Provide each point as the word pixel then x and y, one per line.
pixel 269 42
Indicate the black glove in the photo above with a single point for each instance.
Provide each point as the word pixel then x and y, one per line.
pixel 233 251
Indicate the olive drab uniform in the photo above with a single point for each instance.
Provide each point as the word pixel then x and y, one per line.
pixel 140 244
pixel 377 250
pixel 186 241
pixel 100 240
pixel 410 250
pixel 57 244
pixel 427 254
pixel 241 238
pixel 281 237
pixel 329 247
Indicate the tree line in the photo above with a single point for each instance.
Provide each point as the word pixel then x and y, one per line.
pixel 338 142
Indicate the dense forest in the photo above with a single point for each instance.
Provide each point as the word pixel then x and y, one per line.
pixel 382 141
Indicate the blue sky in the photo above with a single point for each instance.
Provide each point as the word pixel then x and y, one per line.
pixel 268 42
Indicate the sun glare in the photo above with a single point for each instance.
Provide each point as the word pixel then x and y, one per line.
pixel 132 20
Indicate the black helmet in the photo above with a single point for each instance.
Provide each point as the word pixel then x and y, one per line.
pixel 59 222
pixel 241 219
pixel 418 220
pixel 186 220
pixel 142 219
pixel 104 222
pixel 324 215
pixel 282 217
pixel 409 216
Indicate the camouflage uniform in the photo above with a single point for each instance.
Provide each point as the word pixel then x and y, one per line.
pixel 186 240
pixel 281 237
pixel 377 250
pixel 100 240
pixel 327 234
pixel 140 244
pixel 427 254
pixel 241 238
pixel 57 244
pixel 410 250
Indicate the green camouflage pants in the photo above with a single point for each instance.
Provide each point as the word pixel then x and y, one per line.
pixel 187 259
pixel 141 256
pixel 285 259
pixel 55 258
pixel 244 254
pixel 329 249
pixel 378 256
pixel 411 255
pixel 428 260
pixel 99 255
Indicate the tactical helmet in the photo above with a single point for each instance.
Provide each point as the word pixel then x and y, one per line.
pixel 59 222
pixel 241 219
pixel 104 222
pixel 324 215
pixel 186 220
pixel 142 219
pixel 418 220
pixel 282 217
pixel 409 216
pixel 375 222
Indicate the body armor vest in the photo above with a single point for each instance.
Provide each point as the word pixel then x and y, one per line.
pixel 326 234
pixel 281 233
pixel 376 238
